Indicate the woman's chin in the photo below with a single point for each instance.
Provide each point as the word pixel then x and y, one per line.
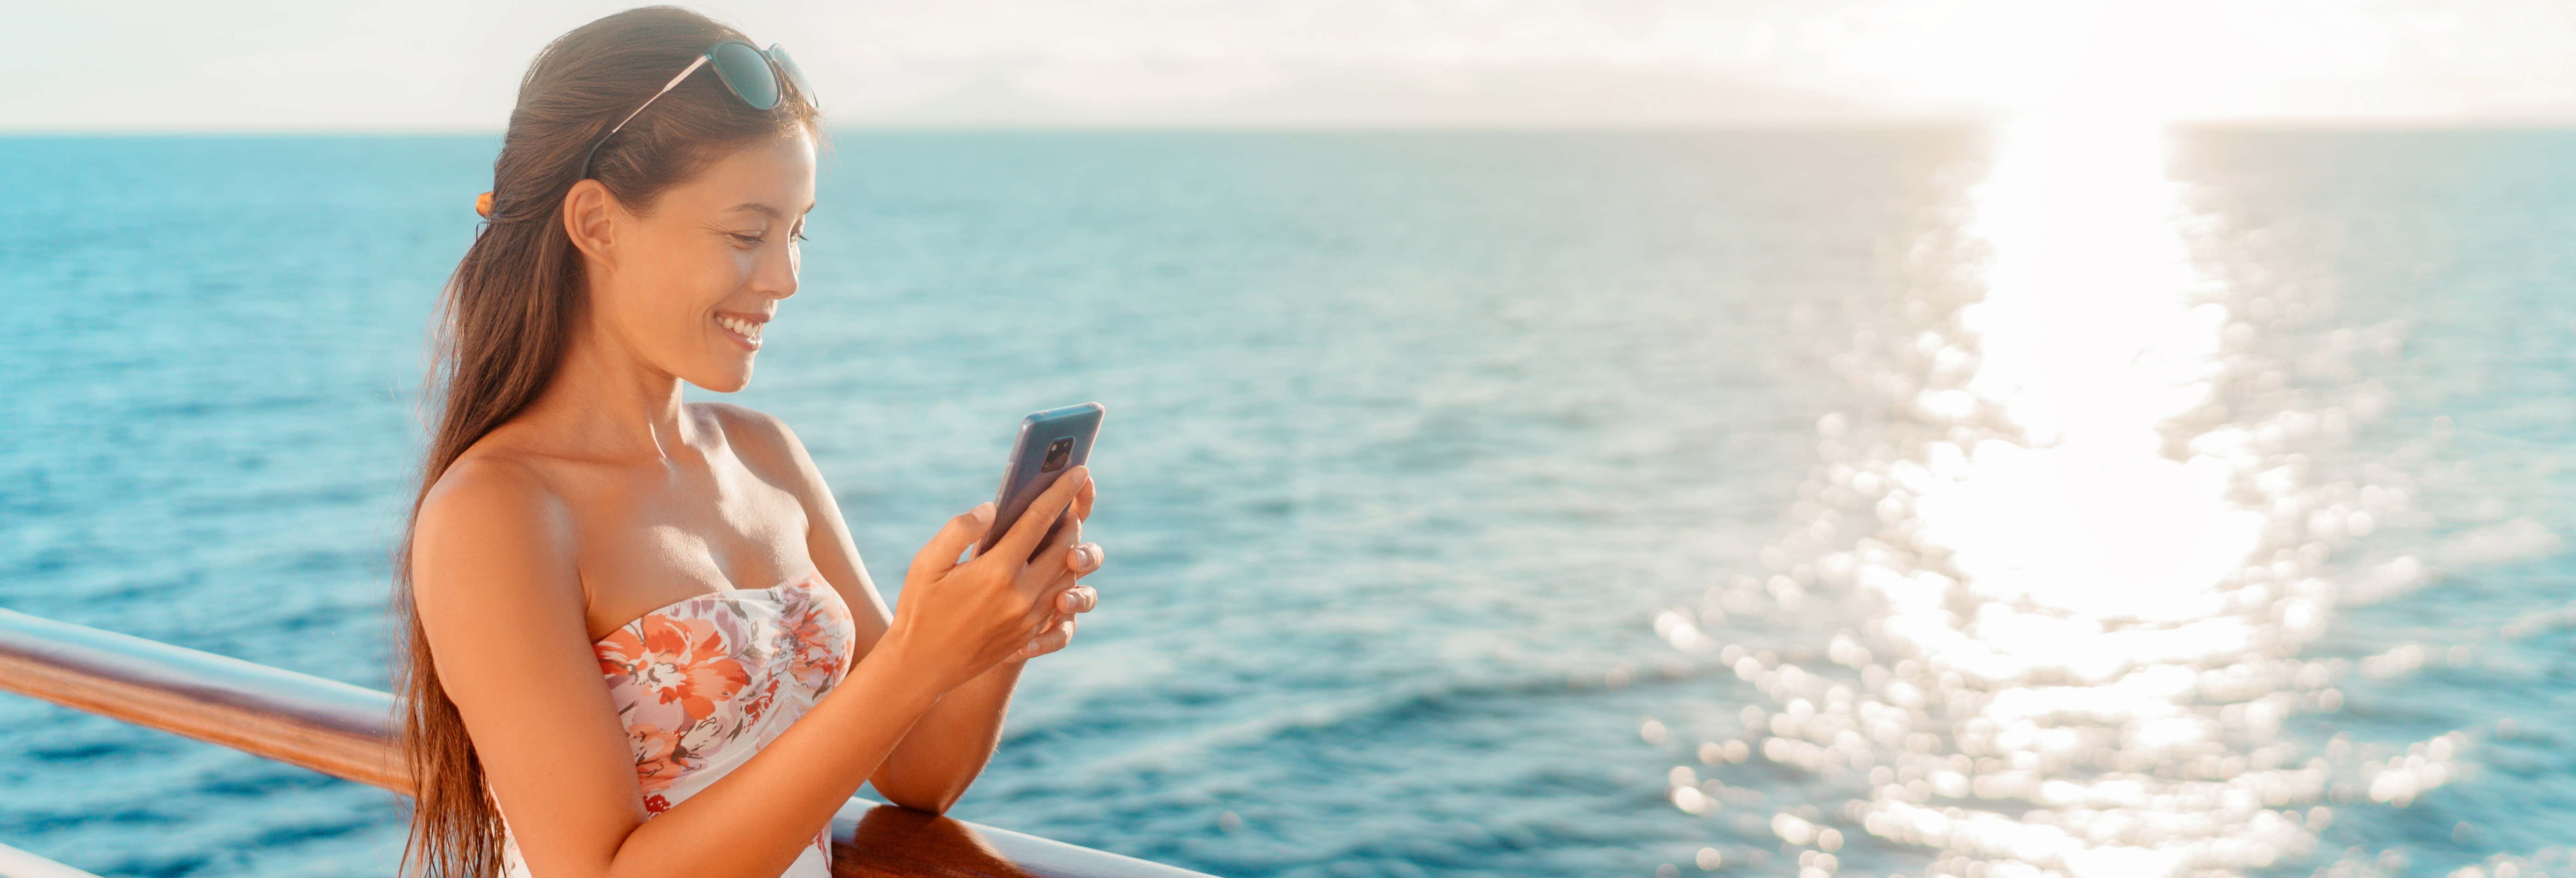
pixel 723 380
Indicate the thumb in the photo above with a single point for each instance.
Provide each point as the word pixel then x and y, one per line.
pixel 940 555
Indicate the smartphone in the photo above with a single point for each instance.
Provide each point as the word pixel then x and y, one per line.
pixel 1050 442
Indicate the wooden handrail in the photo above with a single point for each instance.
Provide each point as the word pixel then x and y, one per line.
pixel 348 732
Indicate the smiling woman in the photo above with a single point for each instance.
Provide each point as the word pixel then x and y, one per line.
pixel 640 630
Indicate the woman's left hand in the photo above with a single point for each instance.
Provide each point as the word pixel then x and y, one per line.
pixel 1079 559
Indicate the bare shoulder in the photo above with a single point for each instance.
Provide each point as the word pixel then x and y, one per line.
pixel 487 488
pixel 491 525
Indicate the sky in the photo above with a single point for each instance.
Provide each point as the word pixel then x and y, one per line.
pixel 455 64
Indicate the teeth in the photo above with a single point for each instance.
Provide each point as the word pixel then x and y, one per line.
pixel 744 328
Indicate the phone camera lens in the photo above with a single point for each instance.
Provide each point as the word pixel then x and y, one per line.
pixel 1056 454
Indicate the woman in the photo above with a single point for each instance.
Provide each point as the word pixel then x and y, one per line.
pixel 640 631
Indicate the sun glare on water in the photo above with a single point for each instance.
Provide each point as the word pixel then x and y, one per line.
pixel 2075 585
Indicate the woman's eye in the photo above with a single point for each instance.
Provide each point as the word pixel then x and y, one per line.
pixel 800 235
pixel 748 240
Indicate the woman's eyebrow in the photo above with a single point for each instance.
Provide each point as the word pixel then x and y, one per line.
pixel 762 209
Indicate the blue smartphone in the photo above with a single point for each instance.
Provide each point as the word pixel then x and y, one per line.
pixel 1050 442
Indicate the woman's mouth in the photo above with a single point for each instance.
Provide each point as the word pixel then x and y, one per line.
pixel 744 332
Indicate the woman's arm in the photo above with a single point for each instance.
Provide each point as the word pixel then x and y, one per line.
pixel 948 748
pixel 954 740
pixel 501 601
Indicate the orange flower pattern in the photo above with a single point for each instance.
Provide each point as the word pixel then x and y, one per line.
pixel 703 683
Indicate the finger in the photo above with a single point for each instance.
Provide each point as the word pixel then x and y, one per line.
pixel 1055 638
pixel 1071 562
pixel 1083 559
pixel 940 555
pixel 1043 610
pixel 1082 501
pixel 1038 635
pixel 1078 599
pixel 1042 514
pixel 1073 568
pixel 1064 536
pixel 1062 543
pixel 1051 621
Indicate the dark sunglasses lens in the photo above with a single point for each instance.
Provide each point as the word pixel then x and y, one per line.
pixel 744 70
pixel 795 75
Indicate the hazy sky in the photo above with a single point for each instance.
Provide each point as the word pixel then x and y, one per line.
pixel 454 64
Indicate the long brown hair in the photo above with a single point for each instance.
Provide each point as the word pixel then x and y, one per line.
pixel 512 306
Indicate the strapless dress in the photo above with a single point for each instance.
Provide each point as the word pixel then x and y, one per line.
pixel 704 682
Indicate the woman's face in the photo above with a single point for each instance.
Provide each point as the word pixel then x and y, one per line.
pixel 689 288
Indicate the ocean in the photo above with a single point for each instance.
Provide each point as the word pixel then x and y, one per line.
pixel 2060 496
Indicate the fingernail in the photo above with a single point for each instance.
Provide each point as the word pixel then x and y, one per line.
pixel 1090 555
pixel 983 512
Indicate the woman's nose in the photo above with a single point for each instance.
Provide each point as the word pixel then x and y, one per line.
pixel 777 277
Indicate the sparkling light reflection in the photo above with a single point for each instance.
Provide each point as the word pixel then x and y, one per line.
pixel 2081 583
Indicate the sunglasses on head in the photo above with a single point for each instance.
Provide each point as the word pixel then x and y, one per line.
pixel 750 73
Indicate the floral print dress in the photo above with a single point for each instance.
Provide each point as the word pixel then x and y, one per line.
pixel 705 682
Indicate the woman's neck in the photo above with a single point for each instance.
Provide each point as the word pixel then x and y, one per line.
pixel 605 403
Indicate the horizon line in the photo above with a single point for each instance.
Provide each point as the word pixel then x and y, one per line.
pixel 2284 123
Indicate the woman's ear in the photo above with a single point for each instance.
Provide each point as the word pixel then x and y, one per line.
pixel 587 214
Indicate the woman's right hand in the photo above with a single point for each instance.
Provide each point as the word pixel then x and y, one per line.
pixel 955 621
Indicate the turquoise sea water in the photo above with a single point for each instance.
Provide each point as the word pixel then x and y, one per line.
pixel 2041 499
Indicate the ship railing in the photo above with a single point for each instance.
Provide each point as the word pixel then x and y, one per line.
pixel 347 732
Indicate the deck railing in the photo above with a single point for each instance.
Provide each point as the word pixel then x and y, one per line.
pixel 346 731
